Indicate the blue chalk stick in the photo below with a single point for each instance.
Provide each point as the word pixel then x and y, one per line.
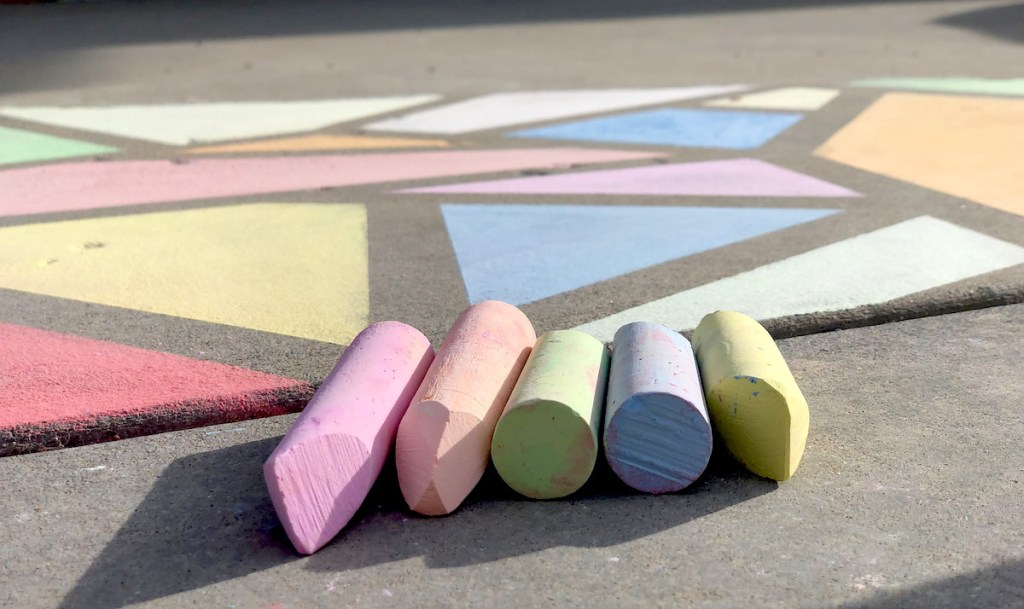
pixel 657 436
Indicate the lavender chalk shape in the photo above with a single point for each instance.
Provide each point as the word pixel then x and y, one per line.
pixel 320 473
pixel 657 436
pixel 720 178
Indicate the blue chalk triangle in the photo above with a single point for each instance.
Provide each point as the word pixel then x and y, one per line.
pixel 686 127
pixel 522 253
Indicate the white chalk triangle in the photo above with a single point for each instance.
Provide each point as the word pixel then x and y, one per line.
pixel 872 268
pixel 507 109
pixel 188 124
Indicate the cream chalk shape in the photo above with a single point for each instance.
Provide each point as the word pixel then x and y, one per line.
pixel 786 98
pixel 295 269
pixel 546 442
pixel 319 142
pixel 753 399
pixel 657 434
pixel 871 268
pixel 444 440
pixel 190 124
pixel 508 109
pixel 323 468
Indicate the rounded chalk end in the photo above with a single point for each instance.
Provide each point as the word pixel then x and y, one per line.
pixel 658 443
pixel 544 449
pixel 764 430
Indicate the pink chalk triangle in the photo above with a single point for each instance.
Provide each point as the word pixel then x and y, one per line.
pixel 733 178
pixel 77 186
pixel 91 390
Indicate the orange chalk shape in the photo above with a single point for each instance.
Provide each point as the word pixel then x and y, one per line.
pixel 444 440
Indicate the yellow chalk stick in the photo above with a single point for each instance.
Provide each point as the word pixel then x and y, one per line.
pixel 752 397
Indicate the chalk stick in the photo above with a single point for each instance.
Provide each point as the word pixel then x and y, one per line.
pixel 753 399
pixel 322 470
pixel 545 444
pixel 657 436
pixel 444 440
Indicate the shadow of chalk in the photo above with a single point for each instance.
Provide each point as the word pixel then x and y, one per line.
pixel 1000 585
pixel 209 519
pixel 496 523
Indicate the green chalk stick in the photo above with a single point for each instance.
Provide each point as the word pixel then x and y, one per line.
pixel 545 445
pixel 752 397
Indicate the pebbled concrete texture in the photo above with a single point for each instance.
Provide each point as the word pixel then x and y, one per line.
pixel 908 496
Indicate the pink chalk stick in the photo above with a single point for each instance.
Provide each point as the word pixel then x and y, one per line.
pixel 444 441
pixel 320 473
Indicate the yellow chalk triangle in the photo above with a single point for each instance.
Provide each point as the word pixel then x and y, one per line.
pixel 310 143
pixel 295 269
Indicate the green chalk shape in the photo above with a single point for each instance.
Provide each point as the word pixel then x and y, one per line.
pixel 752 397
pixel 18 146
pixel 546 442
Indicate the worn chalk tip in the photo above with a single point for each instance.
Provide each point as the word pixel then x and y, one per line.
pixel 317 486
pixel 544 449
pixel 658 443
pixel 764 430
pixel 435 450
pixel 753 399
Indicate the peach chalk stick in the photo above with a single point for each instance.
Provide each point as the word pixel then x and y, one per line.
pixel 754 400
pixel 444 440
pixel 657 436
pixel 322 470
pixel 546 442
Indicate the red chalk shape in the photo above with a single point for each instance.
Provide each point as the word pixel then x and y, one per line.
pixel 322 470
pixel 59 390
pixel 444 441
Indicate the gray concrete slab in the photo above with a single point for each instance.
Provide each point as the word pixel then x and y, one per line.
pixel 162 51
pixel 909 495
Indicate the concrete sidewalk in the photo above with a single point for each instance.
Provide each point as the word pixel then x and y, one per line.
pixel 868 174
pixel 908 496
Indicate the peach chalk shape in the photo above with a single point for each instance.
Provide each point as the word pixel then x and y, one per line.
pixel 657 436
pixel 968 147
pixel 546 442
pixel 752 397
pixel 320 473
pixel 309 143
pixel 444 440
